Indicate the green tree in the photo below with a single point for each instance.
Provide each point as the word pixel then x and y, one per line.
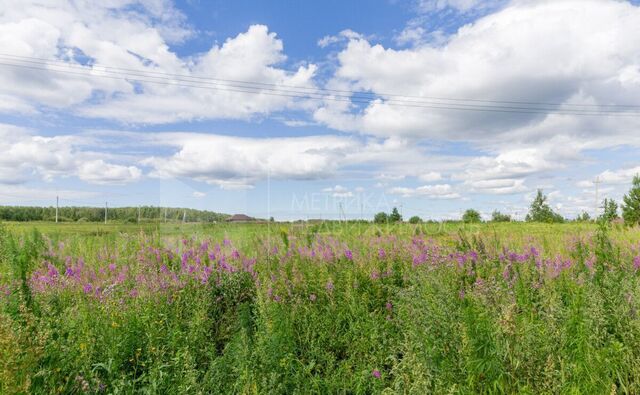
pixel 471 216
pixel 610 210
pixel 415 220
pixel 541 212
pixel 395 216
pixel 497 216
pixel 584 217
pixel 631 205
pixel 381 218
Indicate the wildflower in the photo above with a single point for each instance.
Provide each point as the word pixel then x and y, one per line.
pixel 381 253
pixel 313 297
pixel 376 373
pixel 329 286
pixel 389 306
pixel 534 251
pixel 53 272
pixel 87 288
pixel 636 263
pixel 506 275
pixel 348 254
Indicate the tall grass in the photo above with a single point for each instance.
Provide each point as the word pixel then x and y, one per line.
pixel 512 308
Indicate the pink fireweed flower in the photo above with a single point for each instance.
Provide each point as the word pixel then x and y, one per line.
pixel 636 263
pixel 348 254
pixel 52 271
pixel 389 306
pixel 87 288
pixel 534 252
pixel 329 286
pixel 381 253
pixel 376 373
pixel 506 273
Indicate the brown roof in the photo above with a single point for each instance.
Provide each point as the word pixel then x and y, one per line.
pixel 240 218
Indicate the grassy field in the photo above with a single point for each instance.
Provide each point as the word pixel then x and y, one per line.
pixel 323 308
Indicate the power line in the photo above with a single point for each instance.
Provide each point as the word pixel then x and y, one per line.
pixel 351 93
pixel 320 95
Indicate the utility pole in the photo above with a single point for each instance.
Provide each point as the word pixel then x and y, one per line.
pixel 597 183
pixel 343 216
pixel 138 214
pixel 184 216
pixel 105 212
pixel 57 203
pixel 165 214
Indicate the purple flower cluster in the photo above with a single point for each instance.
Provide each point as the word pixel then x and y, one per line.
pixel 156 270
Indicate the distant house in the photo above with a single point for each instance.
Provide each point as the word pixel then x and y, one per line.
pixel 240 218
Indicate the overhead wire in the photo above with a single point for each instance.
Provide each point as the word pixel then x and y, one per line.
pixel 351 93
pixel 142 76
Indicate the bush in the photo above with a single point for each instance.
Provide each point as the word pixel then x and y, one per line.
pixel 471 216
pixel 584 217
pixel 395 216
pixel 541 212
pixel 415 220
pixel 631 206
pixel 497 216
pixel 610 212
pixel 381 218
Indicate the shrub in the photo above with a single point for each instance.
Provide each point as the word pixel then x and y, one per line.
pixel 541 212
pixel 471 216
pixel 610 212
pixel 584 217
pixel 631 206
pixel 497 216
pixel 395 216
pixel 415 220
pixel 381 218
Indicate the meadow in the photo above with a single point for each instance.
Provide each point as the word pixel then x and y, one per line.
pixel 352 308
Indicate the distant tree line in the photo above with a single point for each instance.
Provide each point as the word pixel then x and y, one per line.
pixel 96 214
pixel 541 211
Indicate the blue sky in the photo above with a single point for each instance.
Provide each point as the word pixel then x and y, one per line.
pixel 469 104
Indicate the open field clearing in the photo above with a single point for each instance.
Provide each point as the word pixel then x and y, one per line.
pixel 328 308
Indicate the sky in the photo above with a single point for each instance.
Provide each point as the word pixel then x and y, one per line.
pixel 333 109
